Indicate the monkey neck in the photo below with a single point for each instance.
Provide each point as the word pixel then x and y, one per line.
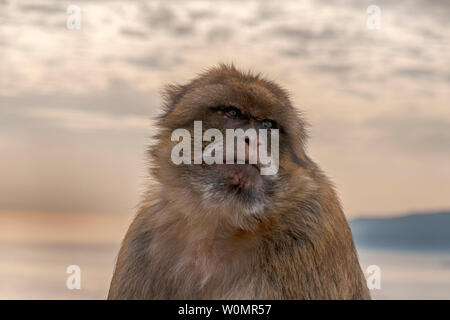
pixel 183 219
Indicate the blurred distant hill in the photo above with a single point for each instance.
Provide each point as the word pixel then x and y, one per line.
pixel 419 231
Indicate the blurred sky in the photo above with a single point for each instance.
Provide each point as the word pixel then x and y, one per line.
pixel 76 105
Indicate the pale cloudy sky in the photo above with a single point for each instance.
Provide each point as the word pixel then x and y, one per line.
pixel 76 105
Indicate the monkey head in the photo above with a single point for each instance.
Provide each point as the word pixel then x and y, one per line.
pixel 221 99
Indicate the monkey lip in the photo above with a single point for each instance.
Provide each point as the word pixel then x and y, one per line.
pixel 241 176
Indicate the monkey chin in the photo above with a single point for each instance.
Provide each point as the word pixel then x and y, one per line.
pixel 238 187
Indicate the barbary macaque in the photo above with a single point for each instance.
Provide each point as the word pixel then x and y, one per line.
pixel 224 230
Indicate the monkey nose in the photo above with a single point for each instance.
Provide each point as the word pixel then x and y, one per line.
pixel 252 153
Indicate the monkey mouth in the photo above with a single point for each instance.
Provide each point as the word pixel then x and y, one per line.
pixel 241 177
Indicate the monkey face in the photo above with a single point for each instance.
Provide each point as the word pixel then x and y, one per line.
pixel 220 102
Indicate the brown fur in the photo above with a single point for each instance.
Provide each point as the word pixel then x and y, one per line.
pixel 182 246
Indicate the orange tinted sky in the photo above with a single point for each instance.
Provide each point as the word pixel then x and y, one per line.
pixel 75 105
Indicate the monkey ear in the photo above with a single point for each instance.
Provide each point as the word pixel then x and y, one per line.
pixel 172 94
pixel 298 137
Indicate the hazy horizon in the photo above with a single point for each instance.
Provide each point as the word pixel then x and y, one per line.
pixel 33 261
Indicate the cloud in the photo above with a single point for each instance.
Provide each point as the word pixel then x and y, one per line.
pixel 86 120
pixel 415 72
pixel 414 9
pixel 299 33
pixel 413 133
pixel 48 8
pixel 437 10
pixel 219 34
pixel 155 60
pixel 335 69
pixel 202 14
pixel 164 17
pixel 133 33
pixel 119 98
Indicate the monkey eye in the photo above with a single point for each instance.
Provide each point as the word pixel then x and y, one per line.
pixel 269 124
pixel 232 112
